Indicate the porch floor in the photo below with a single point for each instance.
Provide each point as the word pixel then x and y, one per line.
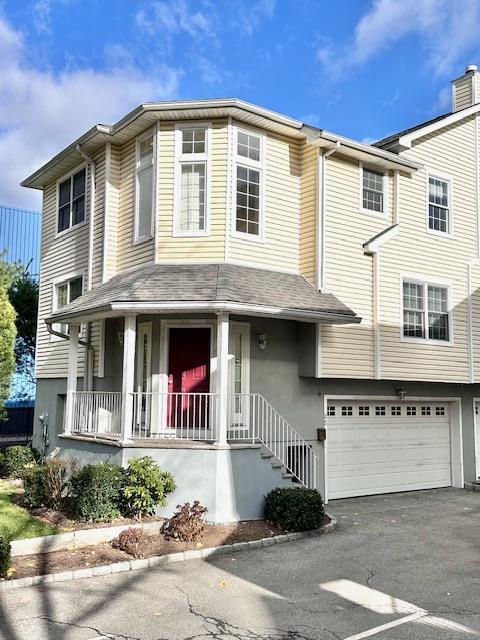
pixel 159 443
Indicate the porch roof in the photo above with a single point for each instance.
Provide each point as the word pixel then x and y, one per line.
pixel 195 288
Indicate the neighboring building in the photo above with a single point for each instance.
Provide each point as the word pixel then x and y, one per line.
pixel 231 278
pixel 20 231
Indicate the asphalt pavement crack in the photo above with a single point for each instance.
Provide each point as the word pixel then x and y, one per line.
pixel 218 629
pixel 100 634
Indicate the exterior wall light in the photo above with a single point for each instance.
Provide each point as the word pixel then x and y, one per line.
pixel 262 341
pixel 400 391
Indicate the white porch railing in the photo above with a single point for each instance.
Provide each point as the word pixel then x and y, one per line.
pixel 194 416
pixel 97 413
pixel 252 418
pixel 187 416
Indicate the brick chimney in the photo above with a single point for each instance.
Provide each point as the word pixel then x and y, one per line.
pixel 466 89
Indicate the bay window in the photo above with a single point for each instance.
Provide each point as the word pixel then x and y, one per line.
pixel 145 187
pixel 248 185
pixel 191 180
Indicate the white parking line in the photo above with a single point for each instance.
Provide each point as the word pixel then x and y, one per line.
pixel 388 625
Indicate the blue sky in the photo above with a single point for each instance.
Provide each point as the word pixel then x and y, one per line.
pixel 363 68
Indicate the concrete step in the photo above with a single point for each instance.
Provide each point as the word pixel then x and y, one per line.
pixel 287 476
pixel 277 465
pixel 266 454
pixel 473 486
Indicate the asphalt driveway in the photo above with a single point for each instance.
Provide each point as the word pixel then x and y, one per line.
pixel 404 566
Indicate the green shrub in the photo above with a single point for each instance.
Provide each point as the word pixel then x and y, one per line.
pixel 2 464
pixel 36 487
pixel 5 558
pixel 16 460
pixel 294 508
pixel 145 487
pixel 96 492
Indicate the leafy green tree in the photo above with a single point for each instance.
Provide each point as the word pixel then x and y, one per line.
pixel 23 295
pixel 8 331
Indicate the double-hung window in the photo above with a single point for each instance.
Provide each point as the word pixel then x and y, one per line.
pixel 426 311
pixel 191 206
pixel 248 184
pixel 439 205
pixel 373 194
pixel 64 293
pixel 145 187
pixel 71 200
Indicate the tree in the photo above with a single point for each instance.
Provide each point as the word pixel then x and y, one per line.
pixel 8 331
pixel 23 295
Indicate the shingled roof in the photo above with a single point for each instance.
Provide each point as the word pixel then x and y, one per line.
pixel 208 288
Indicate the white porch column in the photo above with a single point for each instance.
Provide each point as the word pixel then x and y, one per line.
pixel 74 330
pixel 129 339
pixel 222 376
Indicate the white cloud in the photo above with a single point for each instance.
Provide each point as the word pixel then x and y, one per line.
pixel 42 111
pixel 250 15
pixel 174 16
pixel 448 31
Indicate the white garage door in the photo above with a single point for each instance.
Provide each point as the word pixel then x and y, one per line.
pixel 380 447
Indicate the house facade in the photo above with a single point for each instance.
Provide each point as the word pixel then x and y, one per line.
pixel 254 301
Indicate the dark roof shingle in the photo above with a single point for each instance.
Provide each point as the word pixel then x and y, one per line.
pixel 215 283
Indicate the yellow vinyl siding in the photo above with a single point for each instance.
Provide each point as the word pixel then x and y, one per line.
pixel 463 93
pixel 209 248
pixel 67 254
pixel 347 351
pixel 308 213
pixel 449 153
pixel 130 254
pixel 281 245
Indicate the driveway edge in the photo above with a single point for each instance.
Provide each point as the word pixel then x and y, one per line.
pixel 155 561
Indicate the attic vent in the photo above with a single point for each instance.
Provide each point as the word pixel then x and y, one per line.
pixel 466 89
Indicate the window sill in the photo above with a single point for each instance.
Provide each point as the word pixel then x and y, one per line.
pixel 248 237
pixel 440 234
pixel 190 234
pixel 61 234
pixel 427 342
pixel 142 240
pixel 374 214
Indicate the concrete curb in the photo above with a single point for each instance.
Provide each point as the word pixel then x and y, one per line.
pixel 155 561
pixel 80 538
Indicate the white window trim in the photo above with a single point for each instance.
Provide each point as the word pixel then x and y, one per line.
pixel 449 181
pixel 79 167
pixel 425 282
pixel 384 215
pixel 55 282
pixel 250 164
pixel 151 133
pixel 191 158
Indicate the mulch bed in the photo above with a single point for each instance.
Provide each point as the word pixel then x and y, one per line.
pixel 62 520
pixel 155 545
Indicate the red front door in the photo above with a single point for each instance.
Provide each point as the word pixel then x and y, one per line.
pixel 188 373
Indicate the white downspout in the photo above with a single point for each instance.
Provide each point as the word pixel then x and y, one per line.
pixel 473 263
pixel 321 180
pixel 377 367
pixel 88 377
pixel 396 201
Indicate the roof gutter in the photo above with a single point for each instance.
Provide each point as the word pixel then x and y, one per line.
pixel 120 308
pixel 366 153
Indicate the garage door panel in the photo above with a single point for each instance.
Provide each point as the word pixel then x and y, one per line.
pixel 382 447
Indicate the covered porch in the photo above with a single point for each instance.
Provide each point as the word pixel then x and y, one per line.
pixel 178 342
